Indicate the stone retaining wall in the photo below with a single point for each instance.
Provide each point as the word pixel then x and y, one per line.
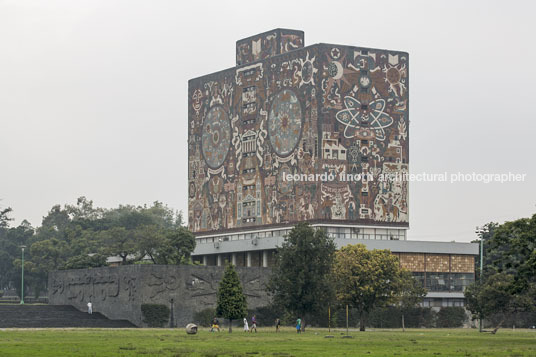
pixel 119 292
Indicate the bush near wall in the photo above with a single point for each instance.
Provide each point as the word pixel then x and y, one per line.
pixel 388 317
pixel 452 316
pixel 516 319
pixel 391 317
pixel 155 315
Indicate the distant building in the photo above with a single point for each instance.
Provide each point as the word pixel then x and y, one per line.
pixel 289 111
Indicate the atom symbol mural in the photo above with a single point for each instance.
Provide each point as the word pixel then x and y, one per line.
pixel 357 115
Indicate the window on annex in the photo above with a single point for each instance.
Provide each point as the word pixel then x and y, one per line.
pixel 437 281
pixel 419 277
pixel 459 281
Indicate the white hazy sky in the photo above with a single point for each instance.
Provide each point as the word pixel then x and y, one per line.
pixel 93 96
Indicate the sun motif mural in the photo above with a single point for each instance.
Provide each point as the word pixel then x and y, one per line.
pixel 216 137
pixel 285 122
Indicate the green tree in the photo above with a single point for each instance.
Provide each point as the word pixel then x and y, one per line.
pixel 85 261
pixel 80 236
pixel 119 241
pixel 508 283
pixel 177 247
pixel 410 294
pixel 4 217
pixel 48 255
pixel 11 240
pixel 231 300
pixel 516 241
pixel 485 234
pixel 495 295
pixel 366 279
pixel 148 240
pixel 301 281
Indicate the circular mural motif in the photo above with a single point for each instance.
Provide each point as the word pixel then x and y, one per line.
pixel 216 137
pixel 285 122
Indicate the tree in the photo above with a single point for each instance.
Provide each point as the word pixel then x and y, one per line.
pixel 508 283
pixel 177 247
pixel 301 281
pixel 85 261
pixel 231 300
pixel 4 218
pixel 48 255
pixel 366 279
pixel 410 294
pixel 517 242
pixel 80 235
pixel 490 255
pixel 148 239
pixel 11 240
pixel 119 241
pixel 495 295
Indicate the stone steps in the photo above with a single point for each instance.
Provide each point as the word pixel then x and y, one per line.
pixel 36 316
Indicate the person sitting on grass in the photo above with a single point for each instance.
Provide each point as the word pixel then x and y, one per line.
pixel 215 325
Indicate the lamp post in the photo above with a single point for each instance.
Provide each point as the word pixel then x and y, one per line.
pixel 22 277
pixel 480 232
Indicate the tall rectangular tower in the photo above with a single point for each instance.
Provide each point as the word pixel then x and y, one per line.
pixel 296 134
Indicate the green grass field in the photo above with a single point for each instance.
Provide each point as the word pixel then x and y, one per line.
pixel 167 342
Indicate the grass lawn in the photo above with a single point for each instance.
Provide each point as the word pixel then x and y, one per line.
pixel 168 342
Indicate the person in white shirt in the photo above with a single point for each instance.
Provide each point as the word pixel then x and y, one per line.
pixel 246 326
pixel 89 308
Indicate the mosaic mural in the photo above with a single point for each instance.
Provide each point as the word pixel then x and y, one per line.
pixel 313 110
pixel 268 44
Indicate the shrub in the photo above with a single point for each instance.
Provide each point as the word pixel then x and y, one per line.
pixel 517 319
pixel 391 317
pixel 155 315
pixel 452 316
pixel 386 317
pixel 85 261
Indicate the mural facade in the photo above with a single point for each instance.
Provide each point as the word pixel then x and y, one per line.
pixel 321 109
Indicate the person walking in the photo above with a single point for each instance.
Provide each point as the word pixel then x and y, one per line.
pixel 277 324
pixel 298 325
pixel 89 308
pixel 246 326
pixel 253 324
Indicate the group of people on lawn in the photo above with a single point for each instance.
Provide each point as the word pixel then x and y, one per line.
pixel 216 325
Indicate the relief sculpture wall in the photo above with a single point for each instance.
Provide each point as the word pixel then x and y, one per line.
pixel 118 292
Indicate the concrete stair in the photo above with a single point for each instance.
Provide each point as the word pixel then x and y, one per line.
pixel 35 316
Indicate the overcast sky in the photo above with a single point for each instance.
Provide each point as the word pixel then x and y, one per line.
pixel 93 97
